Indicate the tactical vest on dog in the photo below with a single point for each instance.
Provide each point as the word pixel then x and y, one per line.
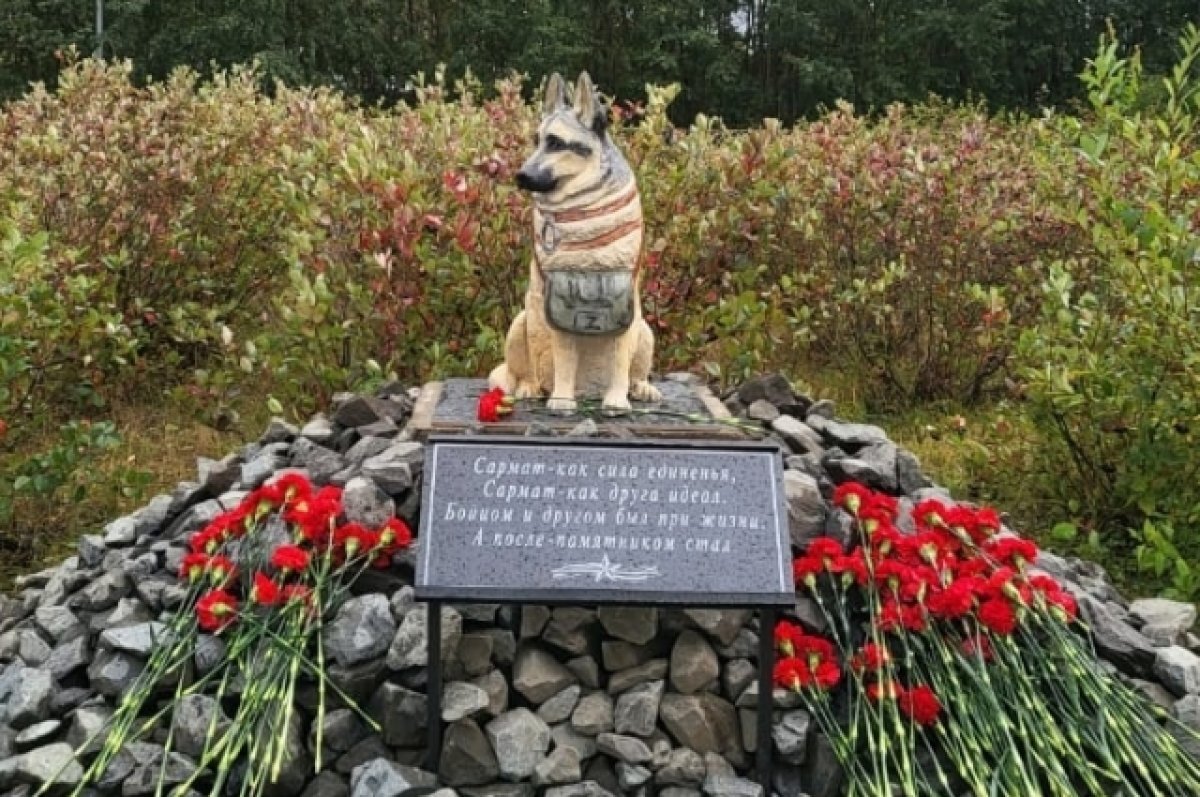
pixel 585 301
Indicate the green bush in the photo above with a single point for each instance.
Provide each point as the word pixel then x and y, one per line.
pixel 1113 365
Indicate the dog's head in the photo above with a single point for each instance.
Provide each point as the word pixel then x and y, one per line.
pixel 571 141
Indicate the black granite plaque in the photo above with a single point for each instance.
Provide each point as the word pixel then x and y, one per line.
pixel 553 521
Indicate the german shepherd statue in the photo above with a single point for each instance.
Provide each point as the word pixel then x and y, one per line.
pixel 581 332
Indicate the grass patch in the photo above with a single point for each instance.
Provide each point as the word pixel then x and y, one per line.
pixel 160 441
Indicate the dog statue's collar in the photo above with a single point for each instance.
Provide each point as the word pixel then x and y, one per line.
pixel 549 236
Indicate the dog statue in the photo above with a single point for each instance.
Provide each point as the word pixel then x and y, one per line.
pixel 582 331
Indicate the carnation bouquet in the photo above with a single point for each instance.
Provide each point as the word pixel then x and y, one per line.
pixel 260 580
pixel 946 646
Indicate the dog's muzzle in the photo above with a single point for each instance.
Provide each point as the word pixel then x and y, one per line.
pixel 536 181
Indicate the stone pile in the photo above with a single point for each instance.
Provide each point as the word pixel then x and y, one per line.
pixel 570 701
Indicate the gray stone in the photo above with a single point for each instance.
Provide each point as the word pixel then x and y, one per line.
pixel 59 623
pixel 566 736
pixel 567 629
pixel 138 640
pixel 799 436
pixel 533 620
pixel 209 652
pixel 410 647
pixel 29 700
pixel 1179 670
pixel 87 724
pixel 461 700
pixel 561 766
pixel 737 675
pixel 68 657
pixel 520 739
pixel 558 708
pixel 680 791
pixel 467 758
pixel 128 611
pixel 149 771
pixel 319 430
pixel 54 763
pixel 341 730
pixel 37 735
pixel 538 676
pixel 586 788
pixel 653 670
pixel 496 687
pixel 731 786
pixel 364 502
pixel 365 410
pixel 394 468
pixel 91 550
pixel 821 774
pixel 619 655
pixel 845 435
pixel 256 472
pixel 909 476
pixel 279 431
pixel 217 476
pixel 1155 693
pixel 586 669
pixel 1128 650
pixel 694 665
pixel 593 715
pixel 1186 713
pixel 705 723
pixel 772 388
pixel 401 713
pixel 762 410
pixel 636 624
pixel 31 648
pixel 1163 636
pixel 684 767
pixel 721 624
pixel 1162 612
pixel 630 776
pixel 790 734
pixel 363 630
pixel 874 466
pixel 475 652
pixel 499 790
pixel 120 532
pixel 716 766
pixel 320 463
pixel 629 749
pixel 366 750
pixel 197 718
pixel 103 593
pixel 636 710
pixel 327 784
pixel 384 778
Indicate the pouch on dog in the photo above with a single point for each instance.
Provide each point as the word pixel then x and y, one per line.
pixel 590 302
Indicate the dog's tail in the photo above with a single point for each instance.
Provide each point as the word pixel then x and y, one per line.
pixel 501 378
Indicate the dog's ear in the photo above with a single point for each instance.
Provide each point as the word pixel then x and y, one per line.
pixel 556 94
pixel 588 107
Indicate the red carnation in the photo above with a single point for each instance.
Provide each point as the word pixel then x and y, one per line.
pixel 827 674
pixel 793 674
pixel 193 566
pixel 988 521
pixel 825 550
pixel 289 558
pixel 265 592
pixel 492 405
pixel 805 570
pixel 930 512
pixel 921 704
pixel 297 593
pixel 851 496
pixel 293 486
pixel 978 646
pixel 870 658
pixel 998 615
pixel 1012 551
pixel 787 638
pixel 395 535
pixel 883 506
pixel 221 569
pixel 216 609
pixel 878 692
pixel 354 539
pixel 954 601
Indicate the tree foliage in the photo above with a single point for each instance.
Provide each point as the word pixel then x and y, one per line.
pixel 740 59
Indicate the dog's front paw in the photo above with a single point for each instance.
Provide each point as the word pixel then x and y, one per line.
pixel 616 403
pixel 563 405
pixel 644 391
pixel 526 390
